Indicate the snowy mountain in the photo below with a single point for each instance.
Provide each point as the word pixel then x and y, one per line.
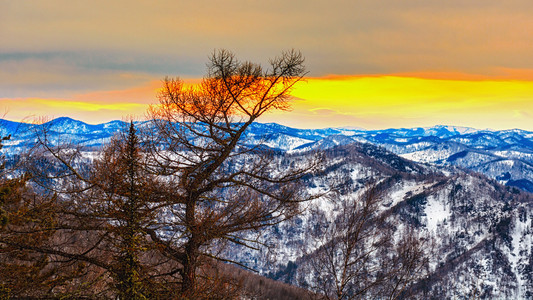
pixel 506 155
pixel 482 231
pixel 426 178
pixel 60 130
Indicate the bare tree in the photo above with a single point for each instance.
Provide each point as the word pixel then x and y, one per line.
pixel 103 209
pixel 26 218
pixel 362 255
pixel 223 189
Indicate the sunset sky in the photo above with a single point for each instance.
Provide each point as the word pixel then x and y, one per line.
pixel 372 64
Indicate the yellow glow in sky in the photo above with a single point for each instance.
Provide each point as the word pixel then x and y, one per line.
pixel 393 101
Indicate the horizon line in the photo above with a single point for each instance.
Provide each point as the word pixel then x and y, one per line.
pixel 347 127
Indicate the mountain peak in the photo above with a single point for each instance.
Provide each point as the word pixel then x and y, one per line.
pixel 67 125
pixel 62 120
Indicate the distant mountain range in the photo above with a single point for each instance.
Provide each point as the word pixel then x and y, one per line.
pixel 505 155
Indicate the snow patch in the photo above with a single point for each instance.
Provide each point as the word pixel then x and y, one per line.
pixel 436 212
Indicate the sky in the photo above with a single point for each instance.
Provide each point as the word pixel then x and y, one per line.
pixel 372 64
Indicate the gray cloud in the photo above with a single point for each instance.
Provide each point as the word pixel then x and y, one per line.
pixel 337 37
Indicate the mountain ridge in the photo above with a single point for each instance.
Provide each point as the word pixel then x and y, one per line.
pixel 504 155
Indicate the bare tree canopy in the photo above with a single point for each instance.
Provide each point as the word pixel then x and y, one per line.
pixel 362 254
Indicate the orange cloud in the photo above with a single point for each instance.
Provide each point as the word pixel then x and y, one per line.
pixel 92 107
pixel 145 94
pixel 92 112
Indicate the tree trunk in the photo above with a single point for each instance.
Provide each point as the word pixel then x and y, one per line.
pixel 190 262
pixel 189 269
